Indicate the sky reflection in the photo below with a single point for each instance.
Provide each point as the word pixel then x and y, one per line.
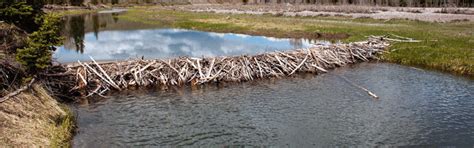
pixel 168 43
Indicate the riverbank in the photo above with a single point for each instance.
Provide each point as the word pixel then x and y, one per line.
pixel 444 46
pixel 33 118
pixel 29 115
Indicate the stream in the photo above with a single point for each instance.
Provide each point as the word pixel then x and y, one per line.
pixel 415 107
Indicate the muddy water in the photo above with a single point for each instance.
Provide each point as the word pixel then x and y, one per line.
pixel 416 107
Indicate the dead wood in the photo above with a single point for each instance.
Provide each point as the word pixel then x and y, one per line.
pixel 98 78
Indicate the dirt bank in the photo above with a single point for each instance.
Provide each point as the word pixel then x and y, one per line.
pixel 34 119
pixel 423 14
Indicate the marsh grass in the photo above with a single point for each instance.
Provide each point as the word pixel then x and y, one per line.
pixel 445 46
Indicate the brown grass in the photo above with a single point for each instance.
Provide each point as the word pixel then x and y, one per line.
pixel 34 119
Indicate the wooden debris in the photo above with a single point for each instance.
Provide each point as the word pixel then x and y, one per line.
pixel 18 91
pixel 97 78
pixel 358 86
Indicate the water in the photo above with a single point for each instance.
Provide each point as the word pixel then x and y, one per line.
pixel 416 107
pixel 106 37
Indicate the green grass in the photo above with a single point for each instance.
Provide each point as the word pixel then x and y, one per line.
pixel 63 131
pixel 445 46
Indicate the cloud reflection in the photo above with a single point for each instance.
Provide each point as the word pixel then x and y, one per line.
pixel 168 43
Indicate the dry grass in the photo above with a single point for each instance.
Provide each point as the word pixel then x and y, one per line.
pixel 32 119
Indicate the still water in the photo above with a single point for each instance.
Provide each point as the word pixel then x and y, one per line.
pixel 105 37
pixel 416 107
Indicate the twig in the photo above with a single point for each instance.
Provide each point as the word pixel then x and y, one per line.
pixel 358 86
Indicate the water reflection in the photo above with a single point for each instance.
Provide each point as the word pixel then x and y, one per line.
pixel 75 27
pixel 105 37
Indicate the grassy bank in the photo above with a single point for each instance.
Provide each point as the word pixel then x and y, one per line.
pixel 445 46
pixel 34 119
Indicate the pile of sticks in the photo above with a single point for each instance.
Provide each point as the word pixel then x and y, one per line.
pixel 94 78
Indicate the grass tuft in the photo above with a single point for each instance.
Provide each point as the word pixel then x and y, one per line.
pixel 62 132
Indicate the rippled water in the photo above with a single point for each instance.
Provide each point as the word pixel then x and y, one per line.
pixel 106 37
pixel 416 107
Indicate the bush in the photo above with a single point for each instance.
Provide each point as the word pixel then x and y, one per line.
pixel 36 56
pixel 21 14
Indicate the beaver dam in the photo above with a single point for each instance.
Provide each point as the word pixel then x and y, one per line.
pixel 96 78
pixel 296 92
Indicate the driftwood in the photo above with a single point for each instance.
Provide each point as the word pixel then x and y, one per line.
pixel 94 78
pixel 16 92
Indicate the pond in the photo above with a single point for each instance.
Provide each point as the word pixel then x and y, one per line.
pixel 416 107
pixel 105 37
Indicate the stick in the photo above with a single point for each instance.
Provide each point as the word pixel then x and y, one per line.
pixel 18 91
pixel 353 84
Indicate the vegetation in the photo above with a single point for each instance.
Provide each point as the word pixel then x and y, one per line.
pixel 21 14
pixel 36 55
pixel 63 130
pixel 32 117
pixel 394 3
pixel 35 119
pixel 446 46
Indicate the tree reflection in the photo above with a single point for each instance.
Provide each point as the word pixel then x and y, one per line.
pixel 296 43
pixel 77 32
pixel 95 25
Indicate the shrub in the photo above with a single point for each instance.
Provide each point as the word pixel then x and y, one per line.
pixel 21 14
pixel 36 56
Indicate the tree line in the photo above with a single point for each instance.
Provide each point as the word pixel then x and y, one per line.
pixel 395 3
pixel 392 3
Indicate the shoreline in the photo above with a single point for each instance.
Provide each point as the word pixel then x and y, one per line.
pixel 449 40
